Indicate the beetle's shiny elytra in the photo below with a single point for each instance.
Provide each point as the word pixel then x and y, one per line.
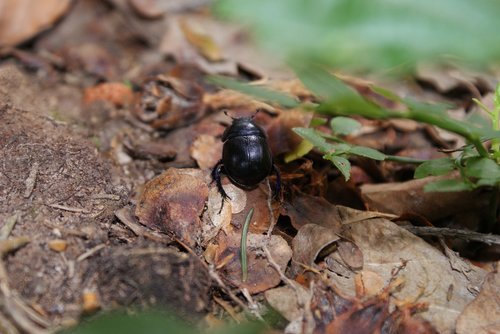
pixel 246 158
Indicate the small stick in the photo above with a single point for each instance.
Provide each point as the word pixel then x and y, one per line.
pixel 466 235
pixel 228 308
pixel 90 252
pixel 68 208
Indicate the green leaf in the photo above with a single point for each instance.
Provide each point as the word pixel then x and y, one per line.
pixel 342 164
pixel 258 92
pixel 344 125
pixel 338 97
pixel 435 167
pixel 314 138
pixel 317 121
pixel 488 182
pixel 373 35
pixel 341 148
pixel 388 94
pixel 449 185
pixel 302 149
pixel 496 99
pixel 367 152
pixel 145 322
pixel 482 168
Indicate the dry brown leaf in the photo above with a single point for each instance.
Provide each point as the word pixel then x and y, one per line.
pixel 234 42
pixel 204 43
pixel 350 254
pixel 261 275
pixel 91 58
pixel 281 137
pixel 258 199
pixel 482 315
pixel 311 240
pixel 173 202
pixel 150 9
pixel 446 79
pixel 215 219
pixel 306 209
pixel 409 197
pixel 22 19
pixel 230 99
pixel 288 300
pixel 427 273
pixel 176 44
pixel 206 150
pixel 169 102
pixel 368 284
pixel 148 149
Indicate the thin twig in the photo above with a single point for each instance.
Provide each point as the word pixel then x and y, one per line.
pixel 68 208
pixel 277 267
pixel 490 239
pixel 228 308
pixel 111 197
pixel 90 252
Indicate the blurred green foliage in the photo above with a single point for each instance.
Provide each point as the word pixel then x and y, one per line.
pixel 153 322
pixel 372 35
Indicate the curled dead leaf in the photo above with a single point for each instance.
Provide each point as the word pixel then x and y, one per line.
pixel 169 102
pixel 173 202
pixel 312 241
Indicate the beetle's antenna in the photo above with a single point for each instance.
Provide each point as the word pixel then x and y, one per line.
pixel 226 113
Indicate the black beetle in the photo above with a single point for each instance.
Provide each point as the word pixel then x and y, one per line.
pixel 246 158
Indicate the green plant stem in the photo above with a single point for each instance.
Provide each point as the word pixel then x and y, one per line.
pixel 495 143
pixel 447 124
pixel 243 246
pixel 407 160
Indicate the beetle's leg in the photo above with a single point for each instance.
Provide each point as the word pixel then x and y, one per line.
pixel 277 189
pixel 216 178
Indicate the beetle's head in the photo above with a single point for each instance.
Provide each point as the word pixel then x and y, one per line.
pixel 243 126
